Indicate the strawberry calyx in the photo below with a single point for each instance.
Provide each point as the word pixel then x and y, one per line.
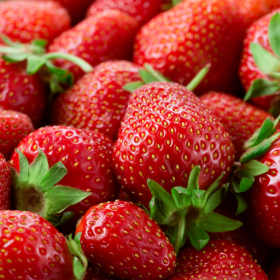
pixel 80 262
pixel 150 75
pixel 188 212
pixel 249 167
pixel 37 58
pixel 268 63
pixel 35 189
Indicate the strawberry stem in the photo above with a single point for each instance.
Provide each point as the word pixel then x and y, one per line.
pixel 198 78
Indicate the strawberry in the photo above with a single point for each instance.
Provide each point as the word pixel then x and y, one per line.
pixel 220 260
pixel 240 119
pixel 274 271
pixel 25 21
pixel 106 36
pixel 166 132
pixel 142 10
pixel 14 126
pixel 97 101
pixel 31 248
pixel 77 160
pixel 124 196
pixel 94 274
pixel 5 184
pixel 123 229
pixel 183 40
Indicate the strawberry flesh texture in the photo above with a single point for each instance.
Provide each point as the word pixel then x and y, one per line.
pixel 26 21
pixel 97 101
pixel 264 199
pixel 31 248
pixel 120 239
pixel 5 185
pixel 240 119
pixel 166 132
pixel 248 70
pixel 141 10
pixel 109 36
pixel 274 271
pixel 182 41
pixel 86 155
pixel 14 126
pixel 220 259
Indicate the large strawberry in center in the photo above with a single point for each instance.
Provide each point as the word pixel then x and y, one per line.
pixel 166 132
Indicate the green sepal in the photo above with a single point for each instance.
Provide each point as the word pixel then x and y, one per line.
pixel 274 34
pixel 198 236
pixel 57 220
pixel 182 197
pixel 176 2
pixel 40 43
pixel 172 233
pixel 198 78
pixel 133 86
pixel 157 211
pixel 9 42
pixel 34 64
pixel 214 222
pixel 17 57
pixel 211 190
pixel 193 179
pixel 241 203
pixel 24 167
pixel 254 167
pixel 80 262
pixel 242 181
pixel 157 76
pixel 198 198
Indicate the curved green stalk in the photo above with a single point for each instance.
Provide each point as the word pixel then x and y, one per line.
pixel 198 78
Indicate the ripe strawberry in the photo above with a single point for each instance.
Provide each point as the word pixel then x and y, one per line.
pixel 78 159
pixel 106 36
pixel 25 21
pixel 21 92
pixel 240 119
pixel 142 10
pixel 124 196
pixel 166 132
pixel 97 101
pixel 14 126
pixel 183 40
pixel 31 248
pixel 5 185
pixel 124 230
pixel 274 271
pixel 219 260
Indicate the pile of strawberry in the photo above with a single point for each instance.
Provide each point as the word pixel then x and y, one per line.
pixel 139 140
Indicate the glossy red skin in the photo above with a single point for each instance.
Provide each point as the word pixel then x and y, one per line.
pixel 94 274
pixel 248 70
pixel 264 199
pixel 274 271
pixel 109 36
pixel 32 248
pixel 21 92
pixel 219 260
pixel 183 40
pixel 122 240
pixel 141 10
pixel 86 155
pixel 25 21
pixel 240 119
pixel 5 185
pixel 14 126
pixel 182 133
pixel 97 101
pixel 244 236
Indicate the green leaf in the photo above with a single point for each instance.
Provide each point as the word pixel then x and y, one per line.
pixel 176 2
pixel 17 57
pixel 198 236
pixel 156 74
pixel 58 198
pixel 157 212
pixel 57 220
pixel 262 87
pixel 133 86
pixel 34 64
pixel 241 203
pixel 78 268
pixel 9 42
pixel 181 196
pixel 147 77
pixel 274 75
pixel 215 199
pixel 266 61
pixel 24 167
pixel 214 186
pixel 193 179
pixel 40 43
pixel 242 181
pixel 9 50
pixel 215 222
pixel 38 169
pixel 274 34
pixel 198 78
pixel 198 198
pixel 254 168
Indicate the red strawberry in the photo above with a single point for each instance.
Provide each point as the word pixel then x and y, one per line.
pixel 14 126
pixel 120 239
pixel 84 156
pixel 183 40
pixel 274 271
pixel 5 185
pixel 142 10
pixel 25 21
pixel 166 132
pixel 31 248
pixel 97 101
pixel 21 92
pixel 219 260
pixel 106 36
pixel 240 119
pixel 124 196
